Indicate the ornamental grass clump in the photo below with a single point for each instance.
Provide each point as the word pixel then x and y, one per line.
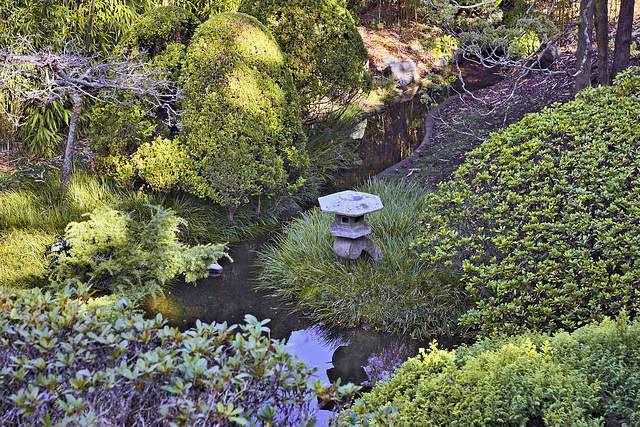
pixel 589 377
pixel 65 363
pixel 402 294
pixel 543 219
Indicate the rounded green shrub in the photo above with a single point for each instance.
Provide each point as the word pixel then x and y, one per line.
pixel 159 27
pixel 323 48
pixel 401 294
pixel 240 129
pixel 64 362
pixel 543 219
pixel 117 132
pixel 586 378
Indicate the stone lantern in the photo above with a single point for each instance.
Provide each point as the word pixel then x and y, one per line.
pixel 350 229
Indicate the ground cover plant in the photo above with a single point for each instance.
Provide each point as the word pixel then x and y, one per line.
pixel 64 363
pixel 585 378
pixel 542 218
pixel 401 294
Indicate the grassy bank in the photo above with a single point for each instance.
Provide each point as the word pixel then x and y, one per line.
pixel 402 294
pixel 33 215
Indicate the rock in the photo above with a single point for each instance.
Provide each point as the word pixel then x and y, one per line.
pixel 441 62
pixel 358 130
pixel 546 58
pixel 215 269
pixel 407 94
pixel 404 72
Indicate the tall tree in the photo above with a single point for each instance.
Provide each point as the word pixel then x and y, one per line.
pixel 622 52
pixel 70 73
pixel 601 19
pixel 585 41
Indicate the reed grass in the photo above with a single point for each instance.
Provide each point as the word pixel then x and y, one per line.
pixel 402 294
pixel 22 261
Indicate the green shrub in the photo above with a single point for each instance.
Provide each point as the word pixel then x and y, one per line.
pixel 241 130
pixel 401 294
pixel 543 218
pixel 123 135
pixel 112 252
pixel 323 48
pixel 240 138
pixel 66 363
pixel 116 133
pixel 159 27
pixel 585 378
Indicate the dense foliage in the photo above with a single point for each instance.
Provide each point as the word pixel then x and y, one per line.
pixel 135 141
pixel 157 28
pixel 543 218
pixel 111 251
pixel 586 378
pixel 98 23
pixel 63 363
pixel 484 33
pixel 401 294
pixel 241 130
pixel 324 50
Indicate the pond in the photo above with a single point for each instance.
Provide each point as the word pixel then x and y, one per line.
pixel 353 355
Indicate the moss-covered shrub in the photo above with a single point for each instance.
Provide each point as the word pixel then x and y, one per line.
pixel 324 50
pixel 113 252
pixel 241 129
pixel 65 363
pixel 543 219
pixel 159 27
pixel 586 378
pixel 401 294
pixel 117 132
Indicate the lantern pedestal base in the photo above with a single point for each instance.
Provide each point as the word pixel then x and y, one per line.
pixel 353 248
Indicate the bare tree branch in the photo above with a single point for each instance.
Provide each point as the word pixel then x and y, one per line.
pixel 46 75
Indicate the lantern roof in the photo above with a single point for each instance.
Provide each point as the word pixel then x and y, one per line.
pixel 350 203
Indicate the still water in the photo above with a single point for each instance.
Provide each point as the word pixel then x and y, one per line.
pixel 353 355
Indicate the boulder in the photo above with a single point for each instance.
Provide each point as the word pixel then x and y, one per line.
pixel 403 72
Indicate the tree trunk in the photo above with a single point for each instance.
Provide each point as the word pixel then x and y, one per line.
pixel 601 19
pixel 232 210
pixel 585 41
pixel 622 52
pixel 76 99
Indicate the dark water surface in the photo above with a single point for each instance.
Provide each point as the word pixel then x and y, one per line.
pixel 354 355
